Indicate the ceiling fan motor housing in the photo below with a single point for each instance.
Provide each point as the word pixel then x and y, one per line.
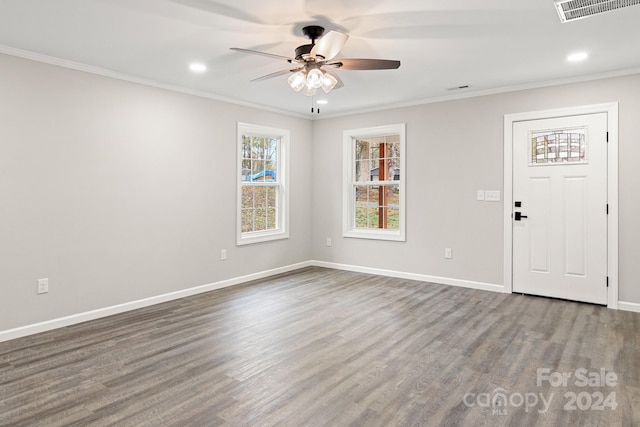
pixel 303 51
pixel 312 32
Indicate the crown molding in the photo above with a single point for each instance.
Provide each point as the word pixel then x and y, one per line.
pixel 475 94
pixel 12 51
pixel 8 50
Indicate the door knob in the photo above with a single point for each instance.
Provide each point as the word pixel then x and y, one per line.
pixel 519 216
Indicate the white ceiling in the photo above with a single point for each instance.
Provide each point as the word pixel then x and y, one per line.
pixel 489 45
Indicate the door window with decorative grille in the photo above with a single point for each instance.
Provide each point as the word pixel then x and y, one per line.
pixel 560 146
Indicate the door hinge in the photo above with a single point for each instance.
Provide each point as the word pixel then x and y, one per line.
pixel 607 136
pixel 607 208
pixel 607 281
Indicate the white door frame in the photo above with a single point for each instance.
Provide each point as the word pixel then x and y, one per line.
pixel 612 188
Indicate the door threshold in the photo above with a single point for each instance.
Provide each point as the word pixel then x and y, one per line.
pixel 560 299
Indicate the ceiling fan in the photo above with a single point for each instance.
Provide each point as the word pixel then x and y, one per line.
pixel 314 63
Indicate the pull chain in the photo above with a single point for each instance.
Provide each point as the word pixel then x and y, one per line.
pixel 312 108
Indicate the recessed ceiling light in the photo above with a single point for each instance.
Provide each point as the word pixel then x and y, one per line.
pixel 197 67
pixel 322 102
pixel 578 56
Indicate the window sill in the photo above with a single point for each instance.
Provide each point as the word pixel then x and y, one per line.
pixel 259 237
pixel 394 235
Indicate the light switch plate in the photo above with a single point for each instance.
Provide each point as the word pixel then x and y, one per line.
pixel 43 286
pixel 492 195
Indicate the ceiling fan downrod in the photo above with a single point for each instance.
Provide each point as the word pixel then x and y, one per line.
pixel 312 32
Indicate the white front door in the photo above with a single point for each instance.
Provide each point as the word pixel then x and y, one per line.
pixel 560 207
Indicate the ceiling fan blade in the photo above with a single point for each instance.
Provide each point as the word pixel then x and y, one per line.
pixel 329 45
pixel 276 74
pixel 364 64
pixel 268 55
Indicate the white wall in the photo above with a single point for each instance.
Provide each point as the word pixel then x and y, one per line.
pixel 453 149
pixel 117 192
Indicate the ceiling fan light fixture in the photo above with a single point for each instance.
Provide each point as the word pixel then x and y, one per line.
pixel 309 91
pixel 328 82
pixel 297 81
pixel 315 78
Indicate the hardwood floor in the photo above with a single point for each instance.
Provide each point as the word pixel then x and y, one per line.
pixel 319 347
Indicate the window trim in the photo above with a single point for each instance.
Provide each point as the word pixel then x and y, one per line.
pixel 282 172
pixel 348 180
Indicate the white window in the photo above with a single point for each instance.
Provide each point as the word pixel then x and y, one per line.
pixel 374 183
pixel 263 197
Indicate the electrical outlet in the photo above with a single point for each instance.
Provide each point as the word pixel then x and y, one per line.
pixel 480 195
pixel 329 241
pixel 447 253
pixel 223 254
pixel 43 286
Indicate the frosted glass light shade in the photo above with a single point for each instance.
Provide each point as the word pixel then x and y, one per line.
pixel 315 78
pixel 309 91
pixel 328 83
pixel 297 81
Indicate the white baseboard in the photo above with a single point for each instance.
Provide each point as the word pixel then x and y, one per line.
pixel 121 308
pixel 412 276
pixel 629 306
pixel 128 306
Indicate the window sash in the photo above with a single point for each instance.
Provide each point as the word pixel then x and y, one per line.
pixel 395 135
pixel 275 211
pixel 266 207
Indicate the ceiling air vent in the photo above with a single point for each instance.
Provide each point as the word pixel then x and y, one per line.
pixel 571 10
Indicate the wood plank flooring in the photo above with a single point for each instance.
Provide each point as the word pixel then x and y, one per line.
pixel 319 347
